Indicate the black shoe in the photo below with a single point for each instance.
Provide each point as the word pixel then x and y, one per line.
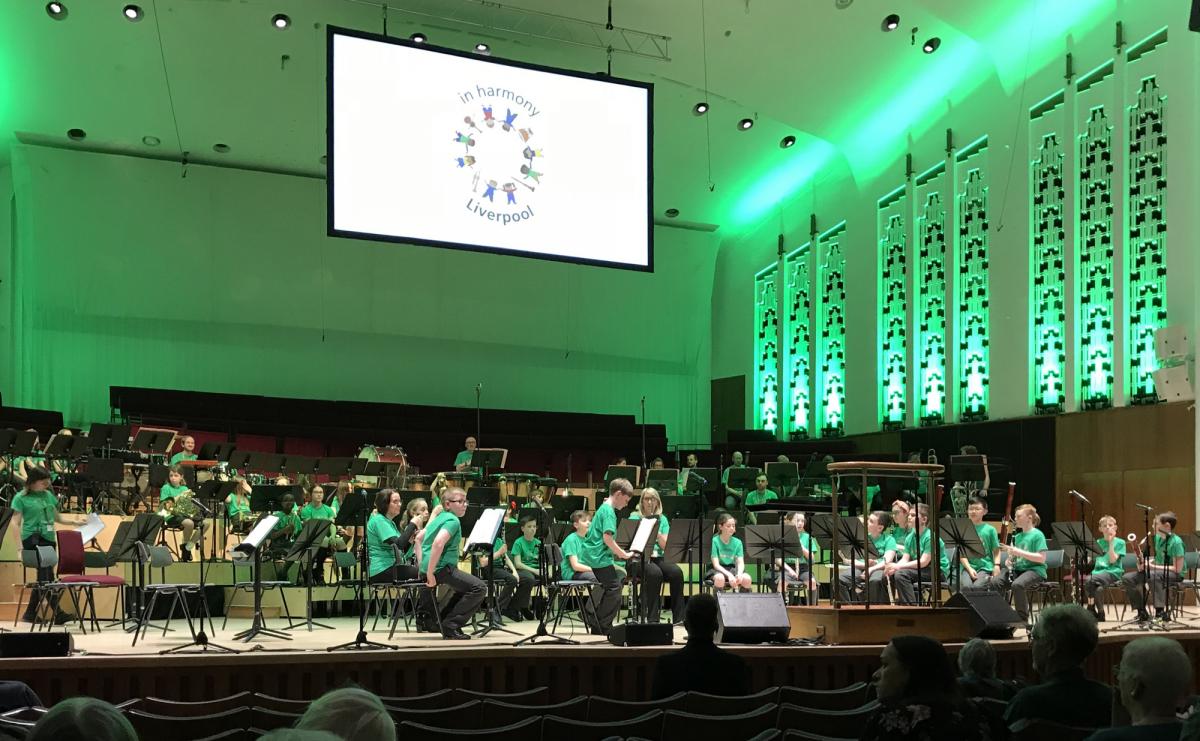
pixel 528 614
pixel 1100 617
pixel 1143 616
pixel 185 555
pixel 597 631
pixel 455 635
pixel 62 618
pixel 1160 614
pixel 513 616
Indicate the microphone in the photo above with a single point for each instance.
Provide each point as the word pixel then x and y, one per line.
pixel 1079 496
pixel 698 477
pixel 1146 507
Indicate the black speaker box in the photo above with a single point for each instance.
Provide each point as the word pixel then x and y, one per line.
pixel 214 593
pixel 641 634
pixel 752 618
pixel 991 615
pixel 26 645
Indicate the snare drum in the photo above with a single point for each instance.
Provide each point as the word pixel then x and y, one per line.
pixel 391 456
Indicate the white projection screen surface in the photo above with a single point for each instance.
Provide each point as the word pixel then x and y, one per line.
pixel 436 147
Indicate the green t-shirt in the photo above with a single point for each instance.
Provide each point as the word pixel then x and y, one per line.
pixel 170 492
pixel 290 522
pixel 884 543
pixel 310 512
pixel 595 553
pixel 727 554
pixel 572 546
pixel 449 522
pixel 182 456
pixel 1167 549
pixel 915 550
pixel 38 510
pixel 805 540
pixel 527 551
pixel 1101 562
pixel 725 473
pixel 664 527
pixel 901 536
pixel 463 458
pixel 381 556
pixel 991 541
pixel 496 548
pixel 753 497
pixel 233 506
pixel 1033 541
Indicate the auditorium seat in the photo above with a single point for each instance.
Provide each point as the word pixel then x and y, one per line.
pixel 681 726
pixel 497 713
pixel 648 725
pixel 525 730
pixel 188 728
pixel 803 736
pixel 179 708
pixel 535 696
pixel 32 714
pixel 267 719
pixel 237 734
pixel 847 698
pixel 838 723
pixel 462 717
pixel 1044 730
pixel 602 709
pixel 281 704
pixel 706 704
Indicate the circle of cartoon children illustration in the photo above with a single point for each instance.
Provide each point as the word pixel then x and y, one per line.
pixel 529 174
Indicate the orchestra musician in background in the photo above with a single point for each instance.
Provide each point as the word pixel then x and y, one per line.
pixel 977 573
pixel 462 461
pixel 686 473
pixel 34 512
pixel 871 570
pixel 1166 568
pixel 1107 568
pixel 316 509
pixel 1028 558
pixel 237 510
pixel 187 452
pixel 733 497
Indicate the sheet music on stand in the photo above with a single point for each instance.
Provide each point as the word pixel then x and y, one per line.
pixel 647 528
pixel 90 529
pixel 486 527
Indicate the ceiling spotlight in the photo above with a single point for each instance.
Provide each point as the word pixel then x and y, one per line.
pixel 280 21
pixel 672 213
pixel 932 45
pixel 890 23
pixel 221 148
pixel 77 135
pixel 745 124
pixel 132 13
pixel 151 141
pixel 700 109
pixel 482 48
pixel 787 142
pixel 57 11
pixel 418 38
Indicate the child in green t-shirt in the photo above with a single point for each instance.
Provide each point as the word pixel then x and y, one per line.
pixel 728 556
pixel 526 559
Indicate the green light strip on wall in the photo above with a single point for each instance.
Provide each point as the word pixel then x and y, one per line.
pixel 893 307
pixel 931 310
pixel 1096 262
pixel 973 289
pixel 831 348
pixel 1147 244
pixel 798 336
pixel 1049 278
pixel 766 354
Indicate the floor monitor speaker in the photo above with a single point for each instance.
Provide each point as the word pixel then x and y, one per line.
pixel 641 634
pixel 752 618
pixel 27 645
pixel 991 615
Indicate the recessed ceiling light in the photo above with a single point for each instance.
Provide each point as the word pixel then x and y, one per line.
pixel 672 213
pixel 700 108
pixel 76 134
pixel 221 148
pixel 418 38
pixel 932 45
pixel 787 142
pixel 890 23
pixel 57 11
pixel 482 48
pixel 745 124
pixel 280 21
pixel 151 141
pixel 132 13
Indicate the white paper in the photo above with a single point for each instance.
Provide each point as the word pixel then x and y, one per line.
pixel 486 527
pixel 647 528
pixel 91 528
pixel 258 534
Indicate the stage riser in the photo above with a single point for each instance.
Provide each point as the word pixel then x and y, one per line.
pixel 858 626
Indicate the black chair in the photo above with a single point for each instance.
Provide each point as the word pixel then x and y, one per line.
pixel 180 709
pixel 602 709
pixel 237 734
pixel 466 716
pixel 836 723
pixel 771 734
pixel 535 696
pixel 1049 591
pixel 266 719
pixel 497 713
pixel 649 725
pixel 30 714
pixel 160 557
pixel 1044 730
pixel 188 728
pixel 440 699
pixel 681 726
pixel 847 698
pixel 991 707
pixel 802 736
pixel 15 728
pixel 703 703
pixel 564 592
pixel 280 704
pixel 525 730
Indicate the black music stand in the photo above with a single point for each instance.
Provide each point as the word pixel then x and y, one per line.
pixel 821 525
pixel 109 437
pixel 255 550
pixel 483 496
pixel 305 544
pixel 662 480
pixel 137 539
pixel 684 545
pixel 485 459
pixel 407 496
pixel 741 479
pixel 335 468
pixel 268 498
pixel 629 473
pixel 215 451
pixel 153 442
pixel 105 474
pixel 854 544
pixel 354 513
pixel 1079 537
pixel 767 541
pixel 214 493
pixel 479 543
pixel 688 507
pixel 200 638
pixel 567 505
pixel 782 478
pixel 959 532
pixel 300 465
pixel 266 462
pixel 15 444
pixel 239 460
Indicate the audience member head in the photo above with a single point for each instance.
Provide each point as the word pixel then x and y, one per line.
pixel 977 658
pixel 294 734
pixel 1063 637
pixel 914 667
pixel 700 618
pixel 83 719
pixel 350 713
pixel 1154 677
pixel 36 478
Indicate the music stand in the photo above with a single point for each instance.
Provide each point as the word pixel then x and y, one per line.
pixel 108 436
pixel 629 473
pixel 741 479
pixel 486 459
pixel 252 547
pixel 641 540
pixel 480 541
pixel 153 441
pixel 767 541
pixel 215 451
pixel 852 541
pixel 408 495
pixel 822 526
pixel 782 478
pixel 301 465
pixel 306 543
pixel 483 496
pixel 662 480
pixel 685 506
pixel 567 505
pixel 960 532
pixel 335 468
pixel 15 444
pixel 266 462
pixel 684 545
pixel 239 460
pixel 215 492
pixel 142 532
pixel 1078 536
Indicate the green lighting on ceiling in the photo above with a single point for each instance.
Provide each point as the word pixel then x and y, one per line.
pixel 785 174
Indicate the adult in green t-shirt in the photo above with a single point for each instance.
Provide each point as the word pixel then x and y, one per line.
pixel 976 574
pixel 1107 567
pixel 600 549
pixel 35 510
pixel 914 566
pixel 383 539
pixel 439 564
pixel 462 461
pixel 733 497
pixel 187 452
pixel 1028 558
pixel 526 558
pixel 1166 568
pixel 869 571
pixel 658 569
pixel 760 494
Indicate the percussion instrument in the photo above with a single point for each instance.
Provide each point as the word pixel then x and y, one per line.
pixel 517 485
pixel 550 485
pixel 462 479
pixel 418 482
pixel 198 464
pixel 390 456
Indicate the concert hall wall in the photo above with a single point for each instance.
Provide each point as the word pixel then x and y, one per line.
pixel 126 272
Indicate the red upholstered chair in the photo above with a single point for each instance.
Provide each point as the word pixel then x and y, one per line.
pixel 70 570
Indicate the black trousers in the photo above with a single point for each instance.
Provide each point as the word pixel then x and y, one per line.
pixel 650 599
pixel 526 581
pixel 44 574
pixel 673 576
pixel 469 592
pixel 509 588
pixel 601 609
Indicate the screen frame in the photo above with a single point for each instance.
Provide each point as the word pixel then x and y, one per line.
pixel 333 31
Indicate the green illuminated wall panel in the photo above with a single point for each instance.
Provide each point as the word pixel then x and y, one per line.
pixel 798 336
pixel 893 308
pixel 831 347
pixel 973 285
pixel 1049 277
pixel 1147 245
pixel 1096 337
pixel 931 303
pixel 766 352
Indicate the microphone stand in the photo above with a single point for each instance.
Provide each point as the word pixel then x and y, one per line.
pixel 478 433
pixel 644 465
pixel 1077 566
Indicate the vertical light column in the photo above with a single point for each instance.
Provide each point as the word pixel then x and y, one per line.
pixel 931 296
pixel 893 307
pixel 831 347
pixel 798 336
pixel 1048 242
pixel 973 288
pixel 766 351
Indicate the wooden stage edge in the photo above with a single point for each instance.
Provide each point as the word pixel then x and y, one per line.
pixel 303 669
